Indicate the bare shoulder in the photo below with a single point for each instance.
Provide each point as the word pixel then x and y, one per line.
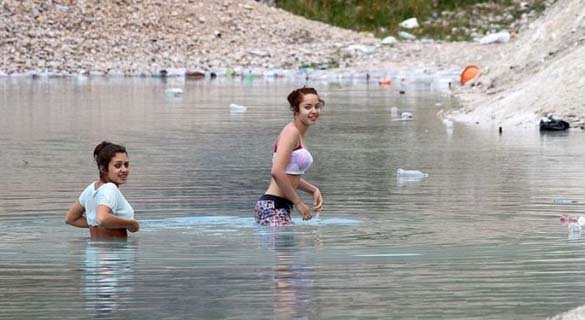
pixel 290 131
pixel 288 138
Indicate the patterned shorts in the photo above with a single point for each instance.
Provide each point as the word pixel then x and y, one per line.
pixel 273 211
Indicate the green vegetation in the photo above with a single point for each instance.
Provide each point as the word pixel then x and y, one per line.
pixel 439 19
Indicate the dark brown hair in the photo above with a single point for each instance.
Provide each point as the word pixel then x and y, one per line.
pixel 104 152
pixel 296 96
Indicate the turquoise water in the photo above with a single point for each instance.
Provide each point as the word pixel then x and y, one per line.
pixel 479 238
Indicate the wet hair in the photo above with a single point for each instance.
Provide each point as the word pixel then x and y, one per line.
pixel 104 152
pixel 296 97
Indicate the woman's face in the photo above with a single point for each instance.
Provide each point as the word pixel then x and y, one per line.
pixel 118 169
pixel 309 109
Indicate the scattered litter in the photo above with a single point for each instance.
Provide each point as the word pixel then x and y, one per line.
pixel 566 219
pixel 414 174
pixel 574 225
pixel 564 201
pixel 174 92
pixel 385 82
pixel 553 124
pixel 469 73
pixel 448 123
pixel 499 37
pixel 406 115
pixel 236 108
pixel 195 74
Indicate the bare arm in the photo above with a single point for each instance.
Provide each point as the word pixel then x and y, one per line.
pixel 75 216
pixel 107 220
pixel 312 189
pixel 307 187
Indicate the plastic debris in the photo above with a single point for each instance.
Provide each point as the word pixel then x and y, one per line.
pixel 469 73
pixel 174 92
pixel 499 37
pixel 448 123
pixel 415 174
pixel 553 124
pixel 564 201
pixel 385 82
pixel 406 115
pixel 236 108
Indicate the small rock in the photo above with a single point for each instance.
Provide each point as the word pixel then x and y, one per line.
pixel 411 23
pixel 389 41
pixel 406 36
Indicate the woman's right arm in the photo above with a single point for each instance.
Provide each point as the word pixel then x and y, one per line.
pixel 75 216
pixel 106 219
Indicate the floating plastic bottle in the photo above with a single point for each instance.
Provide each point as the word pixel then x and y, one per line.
pixel 236 108
pixel 406 115
pixel 564 201
pixel 566 219
pixel 174 92
pixel 414 174
pixel 574 227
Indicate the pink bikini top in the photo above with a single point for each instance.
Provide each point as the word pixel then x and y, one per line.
pixel 300 160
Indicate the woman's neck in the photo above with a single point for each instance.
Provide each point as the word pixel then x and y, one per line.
pixel 300 126
pixel 103 181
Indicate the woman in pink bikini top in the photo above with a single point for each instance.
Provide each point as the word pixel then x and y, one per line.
pixel 289 162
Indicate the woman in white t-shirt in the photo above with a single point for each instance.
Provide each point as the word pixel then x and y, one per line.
pixel 101 207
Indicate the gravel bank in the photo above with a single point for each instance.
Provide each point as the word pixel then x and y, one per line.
pixel 127 37
pixel 535 74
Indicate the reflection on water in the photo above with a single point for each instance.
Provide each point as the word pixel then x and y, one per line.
pixel 108 276
pixel 292 275
pixel 479 238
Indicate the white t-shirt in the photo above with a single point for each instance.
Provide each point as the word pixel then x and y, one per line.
pixel 109 195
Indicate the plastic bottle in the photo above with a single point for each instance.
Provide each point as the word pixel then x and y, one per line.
pixel 564 201
pixel 566 219
pixel 411 173
pixel 574 227
pixel 236 108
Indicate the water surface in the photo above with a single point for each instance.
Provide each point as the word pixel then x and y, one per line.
pixel 479 238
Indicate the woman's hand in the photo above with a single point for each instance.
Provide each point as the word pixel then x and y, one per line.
pixel 134 226
pixel 317 200
pixel 304 210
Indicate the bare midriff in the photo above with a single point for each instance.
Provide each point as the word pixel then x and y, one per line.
pixel 104 234
pixel 274 190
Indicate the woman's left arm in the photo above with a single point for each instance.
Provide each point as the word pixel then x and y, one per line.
pixel 307 187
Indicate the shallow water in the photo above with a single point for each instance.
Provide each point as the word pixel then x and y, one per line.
pixel 479 238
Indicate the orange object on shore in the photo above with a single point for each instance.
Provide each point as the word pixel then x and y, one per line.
pixel 385 82
pixel 469 73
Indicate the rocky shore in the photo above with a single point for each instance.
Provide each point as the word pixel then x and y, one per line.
pixel 534 74
pixel 132 38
